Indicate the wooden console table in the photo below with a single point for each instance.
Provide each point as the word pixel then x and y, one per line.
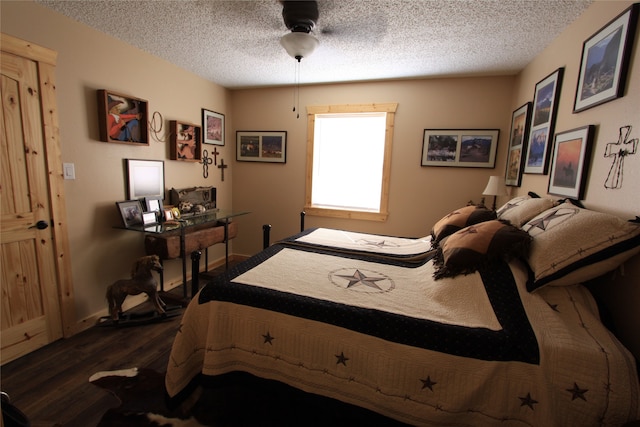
pixel 189 236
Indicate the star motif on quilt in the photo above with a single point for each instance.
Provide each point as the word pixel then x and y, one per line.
pixel 507 207
pixel 577 392
pixel 428 383
pixel 553 307
pixel 268 339
pixel 341 359
pixel 469 230
pixel 452 214
pixel 543 223
pixel 378 243
pixel 528 401
pixel 359 278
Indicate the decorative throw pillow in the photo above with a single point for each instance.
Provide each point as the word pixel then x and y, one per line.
pixel 572 245
pixel 459 219
pixel 519 210
pixel 466 250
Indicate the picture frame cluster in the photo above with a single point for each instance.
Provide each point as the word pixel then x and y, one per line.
pixel 565 155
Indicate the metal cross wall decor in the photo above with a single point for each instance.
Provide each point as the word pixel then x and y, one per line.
pixel 206 161
pixel 618 151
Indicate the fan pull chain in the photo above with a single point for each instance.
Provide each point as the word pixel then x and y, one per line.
pixel 296 89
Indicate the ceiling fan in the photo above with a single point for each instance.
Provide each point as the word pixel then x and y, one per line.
pixel 300 17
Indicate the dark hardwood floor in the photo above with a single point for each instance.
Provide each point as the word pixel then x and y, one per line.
pixel 51 385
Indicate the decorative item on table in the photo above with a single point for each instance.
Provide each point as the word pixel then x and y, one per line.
pixel 185 141
pixel 545 109
pixel 153 206
pixel 122 118
pixel 605 61
pixel 145 178
pixel 131 212
pixel 469 148
pixel 194 200
pixel 495 187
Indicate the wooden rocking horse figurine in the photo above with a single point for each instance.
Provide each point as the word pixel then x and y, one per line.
pixel 141 281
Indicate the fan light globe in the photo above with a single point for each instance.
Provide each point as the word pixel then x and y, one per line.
pixel 299 44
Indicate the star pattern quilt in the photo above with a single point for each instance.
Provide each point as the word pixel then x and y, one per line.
pixel 359 318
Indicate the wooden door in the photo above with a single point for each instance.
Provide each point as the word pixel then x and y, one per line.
pixel 30 312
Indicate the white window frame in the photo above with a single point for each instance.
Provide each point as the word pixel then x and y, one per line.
pixel 383 213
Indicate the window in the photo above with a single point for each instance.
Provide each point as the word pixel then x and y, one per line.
pixel 349 160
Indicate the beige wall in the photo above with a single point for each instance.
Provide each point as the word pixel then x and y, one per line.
pixel 565 52
pixel 418 196
pixel 89 60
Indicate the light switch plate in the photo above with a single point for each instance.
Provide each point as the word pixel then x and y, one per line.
pixel 69 170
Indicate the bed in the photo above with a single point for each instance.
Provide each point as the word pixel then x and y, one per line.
pixel 429 331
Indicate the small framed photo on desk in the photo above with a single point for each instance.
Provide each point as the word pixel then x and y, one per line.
pixel 149 218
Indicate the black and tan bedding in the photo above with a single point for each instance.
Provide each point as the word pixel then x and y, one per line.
pixel 367 319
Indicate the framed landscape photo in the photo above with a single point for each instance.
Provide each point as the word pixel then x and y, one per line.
pixel 571 156
pixel 470 148
pixel 213 127
pixel 145 179
pixel 122 118
pixel 185 141
pixel 131 212
pixel 543 118
pixel 520 123
pixel 605 61
pixel 261 146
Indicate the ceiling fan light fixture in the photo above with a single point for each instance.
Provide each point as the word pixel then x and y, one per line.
pixel 299 44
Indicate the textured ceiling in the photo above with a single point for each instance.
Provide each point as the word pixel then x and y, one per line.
pixel 236 43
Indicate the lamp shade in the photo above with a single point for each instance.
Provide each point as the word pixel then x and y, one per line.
pixel 495 187
pixel 299 44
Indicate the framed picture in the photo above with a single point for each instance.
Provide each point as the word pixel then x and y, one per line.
pixel 605 61
pixel 543 119
pixel 131 212
pixel 145 178
pixel 261 146
pixel 213 125
pixel 571 155
pixel 149 218
pixel 518 137
pixel 184 141
pixel 122 118
pixel 469 148
pixel 168 215
pixel 153 204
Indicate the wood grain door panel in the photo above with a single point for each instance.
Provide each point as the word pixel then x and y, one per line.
pixel 30 311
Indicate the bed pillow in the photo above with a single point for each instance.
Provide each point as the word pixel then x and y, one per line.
pixel 519 210
pixel 572 245
pixel 466 250
pixel 459 219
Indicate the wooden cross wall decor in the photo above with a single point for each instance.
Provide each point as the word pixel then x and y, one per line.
pixel 222 167
pixel 215 156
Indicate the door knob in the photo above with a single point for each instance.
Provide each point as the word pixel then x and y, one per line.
pixel 40 225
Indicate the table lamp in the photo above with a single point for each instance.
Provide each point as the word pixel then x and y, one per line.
pixel 495 187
